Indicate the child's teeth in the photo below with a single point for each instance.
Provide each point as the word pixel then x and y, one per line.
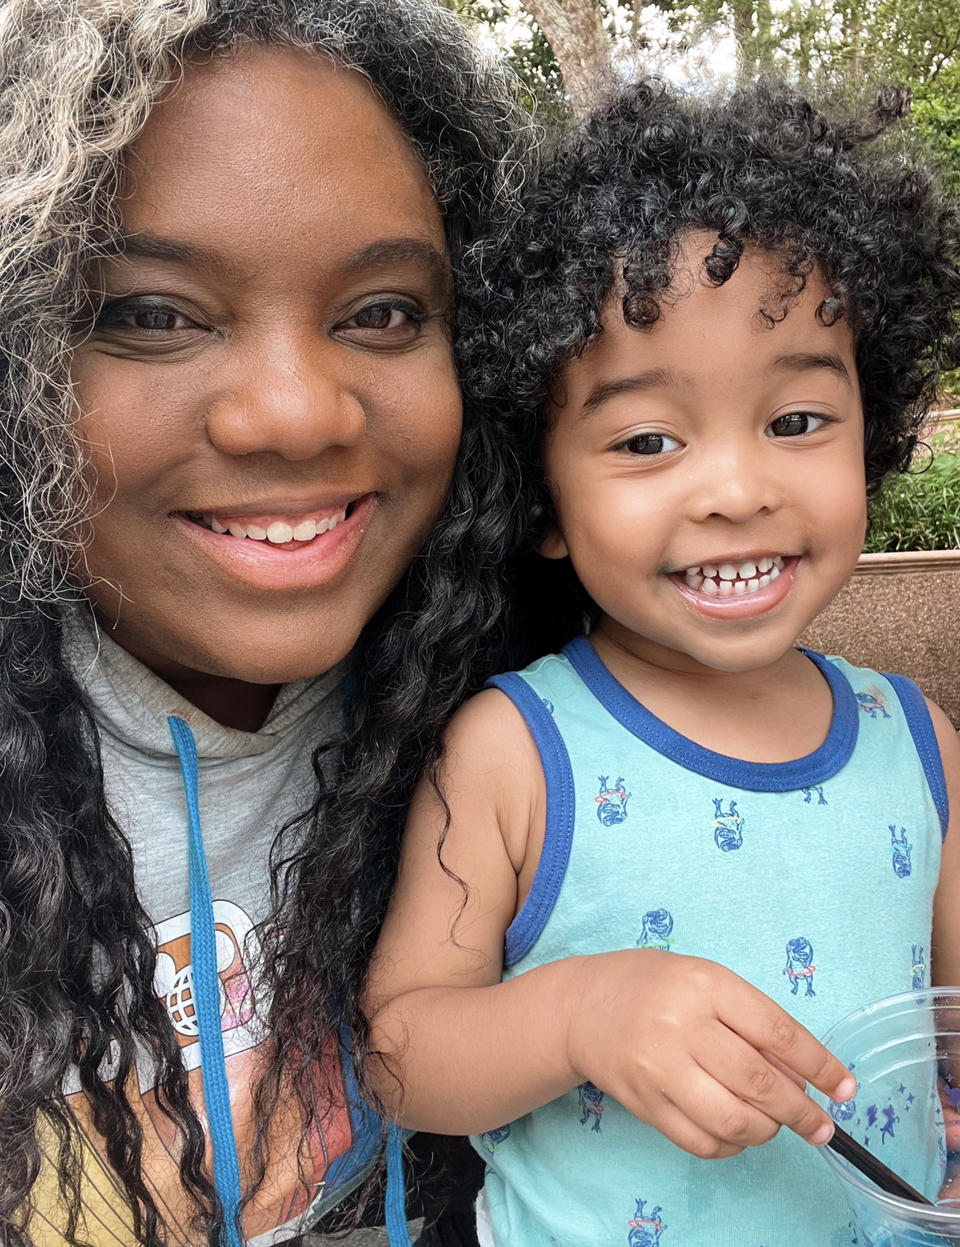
pixel 216 525
pixel 258 534
pixel 726 580
pixel 279 534
pixel 237 530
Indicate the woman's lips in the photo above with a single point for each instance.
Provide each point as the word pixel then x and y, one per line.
pixel 277 565
pixel 739 606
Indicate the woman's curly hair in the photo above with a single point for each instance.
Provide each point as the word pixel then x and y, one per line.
pixel 78 79
pixel 761 168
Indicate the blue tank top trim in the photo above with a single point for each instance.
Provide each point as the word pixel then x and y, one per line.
pixel 525 929
pixel 831 757
pixel 925 738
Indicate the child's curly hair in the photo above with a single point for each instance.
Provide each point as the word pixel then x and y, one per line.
pixel 763 167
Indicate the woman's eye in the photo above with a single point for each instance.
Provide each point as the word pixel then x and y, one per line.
pixel 146 317
pixel 795 424
pixel 393 316
pixel 650 444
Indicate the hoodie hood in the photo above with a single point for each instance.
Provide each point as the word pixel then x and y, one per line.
pixel 131 704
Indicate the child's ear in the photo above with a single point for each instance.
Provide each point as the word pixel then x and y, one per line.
pixel 553 545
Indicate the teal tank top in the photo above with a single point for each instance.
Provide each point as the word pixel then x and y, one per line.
pixel 813 879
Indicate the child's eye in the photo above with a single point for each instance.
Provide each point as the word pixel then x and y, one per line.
pixel 649 444
pixel 795 424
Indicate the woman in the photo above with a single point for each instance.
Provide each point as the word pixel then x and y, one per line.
pixel 230 238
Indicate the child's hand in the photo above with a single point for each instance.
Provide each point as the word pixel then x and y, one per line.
pixel 695 1051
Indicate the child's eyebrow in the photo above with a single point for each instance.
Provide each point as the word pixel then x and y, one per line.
pixel 804 361
pixel 651 379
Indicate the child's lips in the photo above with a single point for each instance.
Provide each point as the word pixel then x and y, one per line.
pixel 738 602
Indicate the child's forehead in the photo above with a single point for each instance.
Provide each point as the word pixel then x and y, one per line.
pixel 764 291
pixel 773 279
pixel 764 320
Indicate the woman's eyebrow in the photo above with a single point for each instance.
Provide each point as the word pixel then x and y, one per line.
pixel 402 251
pixel 384 251
pixel 189 255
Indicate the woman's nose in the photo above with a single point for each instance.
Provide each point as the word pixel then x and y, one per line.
pixel 289 399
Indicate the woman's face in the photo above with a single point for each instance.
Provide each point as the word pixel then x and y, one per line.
pixel 268 397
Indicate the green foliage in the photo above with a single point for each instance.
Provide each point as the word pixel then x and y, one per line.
pixel 536 66
pixel 936 111
pixel 920 510
pixel 843 43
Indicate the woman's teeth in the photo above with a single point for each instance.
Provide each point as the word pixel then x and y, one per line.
pixel 280 531
pixel 726 580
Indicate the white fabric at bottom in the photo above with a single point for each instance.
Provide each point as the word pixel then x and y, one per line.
pixel 484 1225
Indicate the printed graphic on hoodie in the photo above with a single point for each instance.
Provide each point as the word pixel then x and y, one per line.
pixel 283 1195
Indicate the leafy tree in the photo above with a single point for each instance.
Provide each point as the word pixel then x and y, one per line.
pixel 566 51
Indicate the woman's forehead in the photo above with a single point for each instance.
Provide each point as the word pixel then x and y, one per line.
pixel 275 144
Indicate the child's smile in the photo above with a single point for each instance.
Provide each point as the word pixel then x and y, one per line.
pixel 732 587
pixel 708 473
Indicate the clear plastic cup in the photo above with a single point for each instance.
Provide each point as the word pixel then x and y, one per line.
pixel 905 1054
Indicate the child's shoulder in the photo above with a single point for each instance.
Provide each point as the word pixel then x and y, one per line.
pixel 873 689
pixel 500 724
pixel 874 692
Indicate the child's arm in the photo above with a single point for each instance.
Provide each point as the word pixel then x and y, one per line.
pixel 681 1042
pixel 945 953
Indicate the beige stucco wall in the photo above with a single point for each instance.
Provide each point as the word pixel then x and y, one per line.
pixel 899 620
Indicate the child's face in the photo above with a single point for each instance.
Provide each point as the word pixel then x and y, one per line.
pixel 273 360
pixel 686 460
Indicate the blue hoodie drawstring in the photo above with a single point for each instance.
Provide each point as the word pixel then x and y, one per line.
pixel 206 998
pixel 395 1201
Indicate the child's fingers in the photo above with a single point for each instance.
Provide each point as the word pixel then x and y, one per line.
pixel 752 1079
pixel 687 1133
pixel 728 1118
pixel 785 1069
pixel 767 1027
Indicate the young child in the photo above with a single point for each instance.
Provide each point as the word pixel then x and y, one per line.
pixel 677 851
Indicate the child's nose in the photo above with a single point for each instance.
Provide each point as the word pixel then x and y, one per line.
pixel 735 483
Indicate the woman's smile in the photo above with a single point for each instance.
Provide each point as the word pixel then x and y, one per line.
pixel 284 551
pixel 269 398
